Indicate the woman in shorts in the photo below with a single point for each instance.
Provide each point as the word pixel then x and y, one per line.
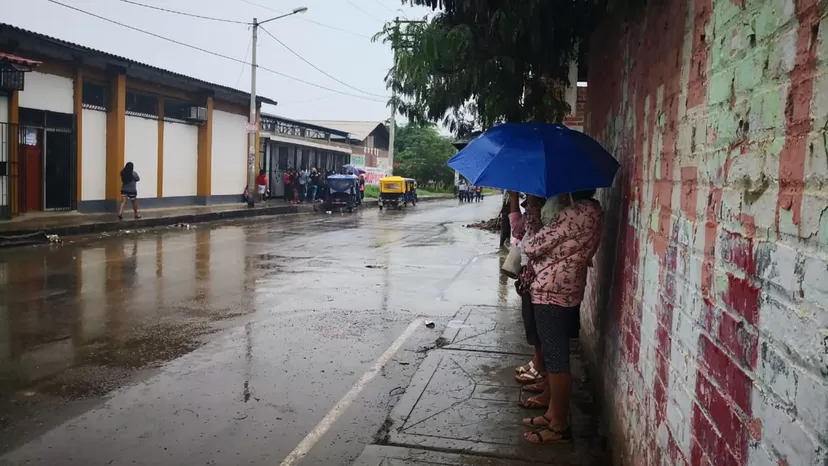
pixel 129 190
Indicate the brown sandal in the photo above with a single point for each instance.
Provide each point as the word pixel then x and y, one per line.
pixel 532 402
pixel 560 436
pixel 537 387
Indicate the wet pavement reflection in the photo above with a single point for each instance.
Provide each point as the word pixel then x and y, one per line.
pixel 226 343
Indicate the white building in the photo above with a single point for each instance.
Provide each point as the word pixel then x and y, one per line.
pixel 81 114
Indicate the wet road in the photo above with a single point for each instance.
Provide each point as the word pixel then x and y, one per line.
pixel 230 343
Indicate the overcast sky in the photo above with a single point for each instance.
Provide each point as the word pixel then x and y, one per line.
pixel 345 52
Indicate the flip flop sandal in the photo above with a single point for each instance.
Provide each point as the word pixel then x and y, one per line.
pixel 525 367
pixel 528 377
pixel 563 436
pixel 532 403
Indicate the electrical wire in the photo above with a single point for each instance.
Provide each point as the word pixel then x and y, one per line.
pixel 210 52
pixel 365 12
pixel 152 7
pixel 316 67
pixel 364 36
pixel 246 53
pixel 379 2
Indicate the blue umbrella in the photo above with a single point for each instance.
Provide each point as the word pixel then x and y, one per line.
pixel 535 158
pixel 353 170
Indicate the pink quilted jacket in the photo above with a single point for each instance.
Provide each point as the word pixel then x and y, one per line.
pixel 561 252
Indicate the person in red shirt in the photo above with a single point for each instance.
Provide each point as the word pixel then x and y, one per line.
pixel 261 182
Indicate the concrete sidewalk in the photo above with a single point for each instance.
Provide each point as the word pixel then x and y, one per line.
pixel 461 407
pixel 36 228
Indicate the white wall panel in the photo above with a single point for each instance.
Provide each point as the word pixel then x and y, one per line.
pixel 4 109
pixel 93 174
pixel 180 159
pixel 229 171
pixel 48 92
pixel 141 138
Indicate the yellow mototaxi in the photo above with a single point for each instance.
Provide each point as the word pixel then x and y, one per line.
pixel 392 192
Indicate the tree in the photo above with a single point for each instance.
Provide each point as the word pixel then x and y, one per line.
pixel 480 62
pixel 421 152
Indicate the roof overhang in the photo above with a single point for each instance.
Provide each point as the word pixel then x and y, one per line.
pixel 17 40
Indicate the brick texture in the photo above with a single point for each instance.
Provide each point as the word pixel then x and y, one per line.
pixel 707 314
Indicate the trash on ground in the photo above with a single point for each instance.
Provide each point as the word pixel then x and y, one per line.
pixel 430 324
pixel 457 324
pixel 53 238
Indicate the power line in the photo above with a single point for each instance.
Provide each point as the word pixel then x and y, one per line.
pixel 152 7
pixel 210 52
pixel 249 2
pixel 316 67
pixel 365 12
pixel 246 53
pixel 379 2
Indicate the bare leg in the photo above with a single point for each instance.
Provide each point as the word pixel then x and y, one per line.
pixel 121 208
pixel 135 208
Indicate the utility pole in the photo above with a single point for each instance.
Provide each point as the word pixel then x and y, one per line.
pixel 393 121
pixel 252 190
pixel 253 128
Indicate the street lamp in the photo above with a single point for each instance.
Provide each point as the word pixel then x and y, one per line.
pixel 254 124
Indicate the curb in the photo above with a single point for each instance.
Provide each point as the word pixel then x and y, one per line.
pixel 15 238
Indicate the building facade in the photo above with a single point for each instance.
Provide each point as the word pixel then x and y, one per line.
pixel 369 144
pixel 81 114
pixel 291 144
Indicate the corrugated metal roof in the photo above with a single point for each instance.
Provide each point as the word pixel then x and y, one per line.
pixel 19 60
pixel 132 67
pixel 357 129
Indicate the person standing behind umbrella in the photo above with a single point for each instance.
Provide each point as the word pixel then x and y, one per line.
pixel 560 255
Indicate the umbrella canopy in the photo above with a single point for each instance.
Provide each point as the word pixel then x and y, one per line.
pixel 353 170
pixel 536 158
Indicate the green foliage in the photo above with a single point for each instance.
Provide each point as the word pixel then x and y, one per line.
pixel 421 152
pixel 481 62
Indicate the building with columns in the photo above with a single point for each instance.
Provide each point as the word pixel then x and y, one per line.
pixel 71 117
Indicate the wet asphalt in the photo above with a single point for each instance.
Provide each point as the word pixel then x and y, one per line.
pixel 227 343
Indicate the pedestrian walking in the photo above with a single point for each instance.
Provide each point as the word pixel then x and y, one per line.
pixel 462 188
pixel 129 190
pixel 361 188
pixel 261 184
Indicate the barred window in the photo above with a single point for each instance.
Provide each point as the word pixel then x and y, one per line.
pixel 95 95
pixel 143 104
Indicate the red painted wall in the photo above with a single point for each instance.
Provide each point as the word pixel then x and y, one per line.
pixel 706 317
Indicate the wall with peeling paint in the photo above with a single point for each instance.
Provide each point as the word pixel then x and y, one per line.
pixel 707 313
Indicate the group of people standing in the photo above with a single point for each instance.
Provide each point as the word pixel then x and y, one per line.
pixel 305 185
pixel 557 239
pixel 467 192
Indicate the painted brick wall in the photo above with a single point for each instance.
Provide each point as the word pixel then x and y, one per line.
pixel 707 314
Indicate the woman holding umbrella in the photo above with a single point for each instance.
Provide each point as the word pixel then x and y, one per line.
pixel 548 161
pixel 555 279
